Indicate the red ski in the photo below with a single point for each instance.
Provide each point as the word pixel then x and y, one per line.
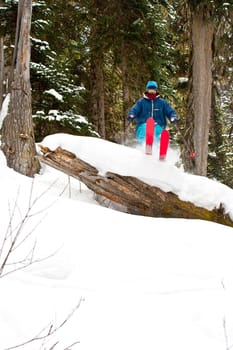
pixel 150 127
pixel 164 139
pixel 164 143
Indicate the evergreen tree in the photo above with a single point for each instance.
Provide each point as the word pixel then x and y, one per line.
pixel 221 164
pixel 219 155
pixel 128 45
pixel 197 128
pixel 57 70
pixel 200 83
pixel 8 18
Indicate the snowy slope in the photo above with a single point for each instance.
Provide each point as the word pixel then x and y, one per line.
pixel 141 282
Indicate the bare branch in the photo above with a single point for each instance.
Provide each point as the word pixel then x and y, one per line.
pixel 51 330
pixel 14 238
pixel 70 346
pixel 25 265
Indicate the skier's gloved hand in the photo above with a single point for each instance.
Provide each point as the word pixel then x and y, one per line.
pixel 174 119
pixel 131 117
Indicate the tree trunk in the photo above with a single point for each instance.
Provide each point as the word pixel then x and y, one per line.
pixel 132 194
pixel 1 70
pixel 97 68
pixel 18 142
pixel 125 86
pixel 199 100
pixel 97 95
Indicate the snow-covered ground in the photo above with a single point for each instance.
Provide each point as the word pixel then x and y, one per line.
pixel 132 282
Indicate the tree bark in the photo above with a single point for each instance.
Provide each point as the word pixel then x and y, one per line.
pixel 131 193
pixel 125 87
pixel 97 69
pixel 199 100
pixel 97 94
pixel 1 69
pixel 18 142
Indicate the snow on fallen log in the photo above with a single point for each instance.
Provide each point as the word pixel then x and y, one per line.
pixel 130 192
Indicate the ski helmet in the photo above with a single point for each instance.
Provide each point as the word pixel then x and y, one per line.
pixel 152 85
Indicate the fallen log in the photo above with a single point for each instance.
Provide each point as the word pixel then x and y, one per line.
pixel 133 194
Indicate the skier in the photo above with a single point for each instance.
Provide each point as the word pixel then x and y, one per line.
pixel 151 105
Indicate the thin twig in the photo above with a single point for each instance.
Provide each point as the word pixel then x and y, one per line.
pixel 28 264
pixel 71 345
pixel 15 233
pixel 51 329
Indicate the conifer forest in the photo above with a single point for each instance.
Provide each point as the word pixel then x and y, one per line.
pixel 78 66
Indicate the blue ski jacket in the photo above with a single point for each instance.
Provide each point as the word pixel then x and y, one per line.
pixel 145 108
